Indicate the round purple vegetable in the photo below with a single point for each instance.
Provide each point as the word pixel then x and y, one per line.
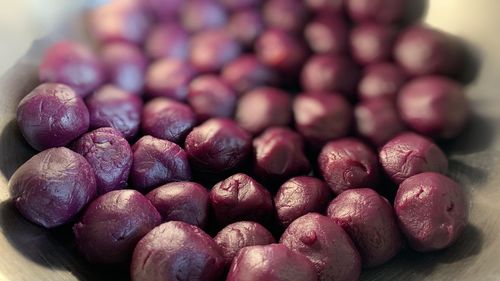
pixel 197 15
pixel 52 115
pixel 372 43
pixel 287 15
pixel 247 73
pixel 112 225
pixel 381 80
pixel 431 211
pixel 52 187
pixel 369 220
pixel 381 11
pixel 167 40
pixel 409 154
pixel 169 77
pixel 245 26
pixel 164 10
pixel 327 35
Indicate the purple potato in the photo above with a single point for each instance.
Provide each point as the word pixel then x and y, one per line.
pixel 236 5
pixel 198 15
pixel 348 163
pixel 164 10
pixel 327 35
pixel 381 11
pixel 409 154
pixel 238 198
pixel 52 115
pixel 326 245
pixel 157 162
pixel 177 251
pixel 270 262
pixel 247 73
pixel 167 40
pixel 287 15
pixel 369 220
pixel 262 108
pixel 434 106
pixel 72 64
pixel 167 119
pixel 113 107
pixel 245 26
pixel 431 210
pixel 181 201
pixel 372 42
pixel 299 196
pixel 169 77
pixel 381 80
pixel 112 225
pixel 327 6
pixel 52 187
pixel 110 156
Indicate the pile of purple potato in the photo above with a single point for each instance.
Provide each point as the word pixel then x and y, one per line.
pixel 246 139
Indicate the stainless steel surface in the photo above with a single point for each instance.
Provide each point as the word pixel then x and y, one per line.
pixel 28 252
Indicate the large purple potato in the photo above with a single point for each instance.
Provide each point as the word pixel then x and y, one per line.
pixel 167 40
pixel 211 50
pixel 110 156
pixel 431 211
pixel 382 11
pixel 169 77
pixel 381 80
pixel 177 251
pixel 326 245
pixel 245 26
pixel 112 224
pixel 52 115
pixel 372 43
pixel 327 35
pixel 270 262
pixel 369 220
pixel 53 186
pixel 287 15
pixel 247 73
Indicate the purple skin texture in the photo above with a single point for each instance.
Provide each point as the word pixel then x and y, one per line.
pixel 112 225
pixel 157 162
pixel 327 73
pixel 177 251
pixel 381 80
pixel 110 156
pixel 431 210
pixel 348 163
pixel 181 201
pixel 409 154
pixel 279 155
pixel 198 15
pixel 169 77
pixel 380 11
pixel 238 198
pixel 211 50
pixel 167 40
pixel 239 235
pixel 270 262
pixel 164 10
pixel 52 187
pixel 245 26
pixel 209 96
pixel 327 35
pixel 52 115
pixel 125 66
pixel 287 15
pixel 299 196
pixel 113 107
pixel 236 5
pixel 167 119
pixel 326 245
pixel 72 64
pixel 434 106
pixel 330 6
pixel 321 117
pixel 378 121
pixel 262 108
pixel 372 43
pixel 369 220
pixel 218 145
pixel 247 73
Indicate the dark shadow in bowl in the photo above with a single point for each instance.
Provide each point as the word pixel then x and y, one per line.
pixel 472 61
pixel 466 174
pixel 468 245
pixel 415 10
pixel 14 149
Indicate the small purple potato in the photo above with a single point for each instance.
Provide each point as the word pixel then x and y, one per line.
pixel 299 196
pixel 181 201
pixel 247 73
pixel 167 119
pixel 110 156
pixel 112 225
pixel 378 120
pixel 72 64
pixel 381 11
pixel 431 211
pixel 372 42
pixel 198 15
pixel 326 245
pixel 381 80
pixel 169 77
pixel 238 198
pixel 113 107
pixel 236 236
pixel 321 117
pixel 157 162
pixel 125 66
pixel 167 40
pixel 287 15
pixel 52 115
pixel 327 35
pixel 348 163
pixel 369 220
pixel 270 262
pixel 218 145
pixel 409 154
pixel 262 108
pixel 245 26
pixel 209 96
pixel 164 10
pixel 328 6
pixel 177 251
pixel 240 4
pixel 52 187
pixel 434 106
pixel 327 73
pixel 279 155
